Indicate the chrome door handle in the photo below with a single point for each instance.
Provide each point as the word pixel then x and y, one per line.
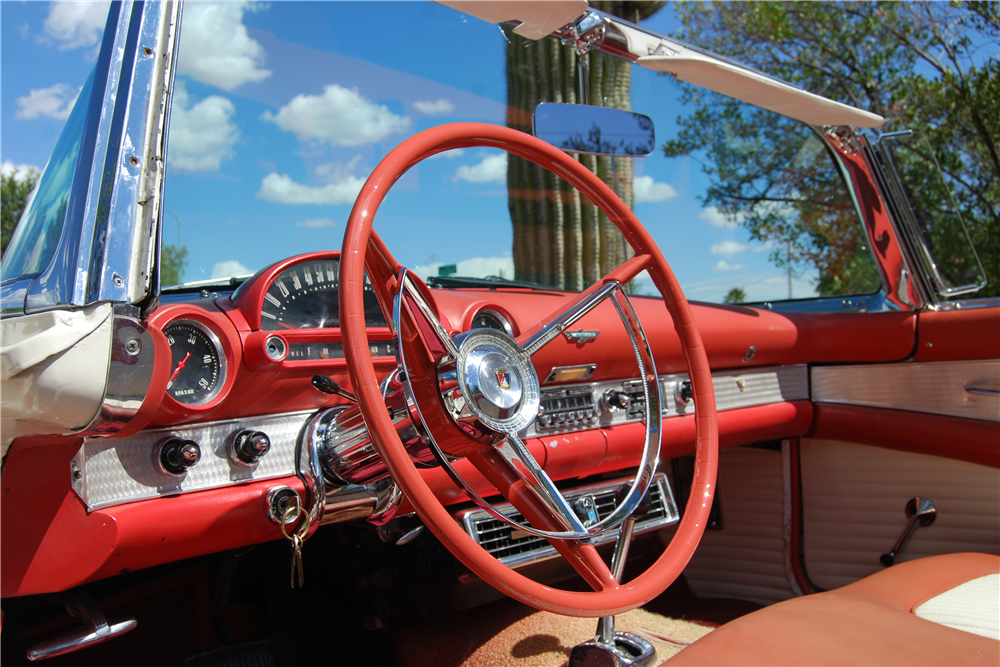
pixel 920 510
pixel 982 391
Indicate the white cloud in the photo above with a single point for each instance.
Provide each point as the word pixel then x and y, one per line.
pixel 55 101
pixel 442 106
pixel 215 47
pixel 493 168
pixel 201 135
pixel 282 189
pixel 645 189
pixel 723 265
pixel 18 171
pixel 727 248
pixel 317 223
pixel 766 245
pixel 75 24
pixel 339 116
pixel 713 216
pixel 475 267
pixel 228 269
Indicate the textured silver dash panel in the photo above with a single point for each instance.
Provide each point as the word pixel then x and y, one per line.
pixel 122 470
pixel 940 388
pixel 744 389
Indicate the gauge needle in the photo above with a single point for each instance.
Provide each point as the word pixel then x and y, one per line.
pixel 287 326
pixel 177 370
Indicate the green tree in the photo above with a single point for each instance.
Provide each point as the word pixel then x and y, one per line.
pixel 173 263
pixel 15 189
pixel 735 295
pixel 927 66
pixel 558 239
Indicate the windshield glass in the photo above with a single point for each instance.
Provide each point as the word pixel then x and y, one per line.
pixel 37 234
pixel 281 110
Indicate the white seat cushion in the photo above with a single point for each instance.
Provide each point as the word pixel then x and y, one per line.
pixel 973 607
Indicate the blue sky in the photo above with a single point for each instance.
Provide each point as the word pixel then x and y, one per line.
pixel 258 169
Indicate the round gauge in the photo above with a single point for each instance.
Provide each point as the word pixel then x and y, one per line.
pixel 198 366
pixel 306 296
pixel 490 319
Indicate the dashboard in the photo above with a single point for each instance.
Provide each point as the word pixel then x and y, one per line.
pixel 231 413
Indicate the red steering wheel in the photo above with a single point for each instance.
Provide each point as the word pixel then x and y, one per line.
pixel 495 450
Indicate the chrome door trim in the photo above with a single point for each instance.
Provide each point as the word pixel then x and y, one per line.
pixel 933 387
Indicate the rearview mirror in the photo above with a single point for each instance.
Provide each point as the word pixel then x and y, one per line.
pixel 579 128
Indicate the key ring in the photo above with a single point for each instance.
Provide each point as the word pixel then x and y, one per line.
pixel 292 514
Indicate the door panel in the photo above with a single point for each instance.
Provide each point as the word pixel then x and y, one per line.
pixel 853 500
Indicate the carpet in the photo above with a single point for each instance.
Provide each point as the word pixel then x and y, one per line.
pixel 510 634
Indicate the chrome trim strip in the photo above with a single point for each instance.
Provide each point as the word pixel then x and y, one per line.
pixel 122 470
pixel 933 387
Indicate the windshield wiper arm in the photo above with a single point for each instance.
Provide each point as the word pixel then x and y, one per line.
pixel 491 282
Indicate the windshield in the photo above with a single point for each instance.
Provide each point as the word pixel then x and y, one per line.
pixel 281 110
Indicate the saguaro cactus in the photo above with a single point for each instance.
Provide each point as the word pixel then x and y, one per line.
pixel 559 239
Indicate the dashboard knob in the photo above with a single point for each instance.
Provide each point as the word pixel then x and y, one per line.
pixel 617 400
pixel 176 456
pixel 248 447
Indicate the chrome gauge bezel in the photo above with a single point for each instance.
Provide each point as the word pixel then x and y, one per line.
pixel 507 328
pixel 220 352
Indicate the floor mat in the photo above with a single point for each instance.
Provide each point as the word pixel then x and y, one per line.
pixel 509 634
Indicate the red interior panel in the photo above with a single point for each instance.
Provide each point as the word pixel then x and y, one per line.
pixel 972 440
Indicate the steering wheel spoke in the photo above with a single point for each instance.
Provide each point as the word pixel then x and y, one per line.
pixel 520 460
pixel 537 337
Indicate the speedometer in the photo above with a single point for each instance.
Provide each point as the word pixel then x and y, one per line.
pixel 303 297
pixel 306 296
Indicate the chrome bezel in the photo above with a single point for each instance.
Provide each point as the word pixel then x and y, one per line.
pixel 507 328
pixel 220 352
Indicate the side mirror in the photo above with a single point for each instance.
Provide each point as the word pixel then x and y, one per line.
pixel 579 128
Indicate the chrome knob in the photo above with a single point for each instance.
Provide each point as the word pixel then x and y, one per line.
pixel 176 456
pixel 617 400
pixel 248 447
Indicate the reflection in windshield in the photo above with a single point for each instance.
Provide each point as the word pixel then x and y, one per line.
pixel 37 235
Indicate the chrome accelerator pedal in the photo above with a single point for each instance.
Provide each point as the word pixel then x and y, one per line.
pixel 609 648
pixel 96 629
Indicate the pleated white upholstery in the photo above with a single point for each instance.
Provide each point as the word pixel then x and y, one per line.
pixel 747 558
pixel 973 607
pixel 853 500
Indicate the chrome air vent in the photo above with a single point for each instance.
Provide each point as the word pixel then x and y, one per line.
pixel 515 548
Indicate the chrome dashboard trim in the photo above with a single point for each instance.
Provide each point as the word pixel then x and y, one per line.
pixel 932 387
pixel 112 471
pixel 469 518
pixel 734 389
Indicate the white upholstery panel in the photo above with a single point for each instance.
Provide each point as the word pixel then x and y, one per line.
pixel 746 559
pixel 973 607
pixel 853 501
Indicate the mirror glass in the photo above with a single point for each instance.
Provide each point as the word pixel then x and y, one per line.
pixel 579 128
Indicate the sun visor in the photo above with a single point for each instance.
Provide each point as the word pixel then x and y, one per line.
pixel 760 90
pixel 538 19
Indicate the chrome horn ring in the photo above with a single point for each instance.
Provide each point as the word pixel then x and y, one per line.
pixel 524 412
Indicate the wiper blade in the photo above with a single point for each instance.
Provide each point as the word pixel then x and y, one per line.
pixel 198 285
pixel 489 282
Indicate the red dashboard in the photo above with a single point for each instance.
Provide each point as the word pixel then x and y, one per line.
pixel 267 346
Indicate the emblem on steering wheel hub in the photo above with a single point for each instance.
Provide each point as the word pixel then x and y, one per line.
pixel 497 379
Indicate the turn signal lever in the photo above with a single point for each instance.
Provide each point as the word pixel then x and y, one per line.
pixel 327 386
pixel 920 510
